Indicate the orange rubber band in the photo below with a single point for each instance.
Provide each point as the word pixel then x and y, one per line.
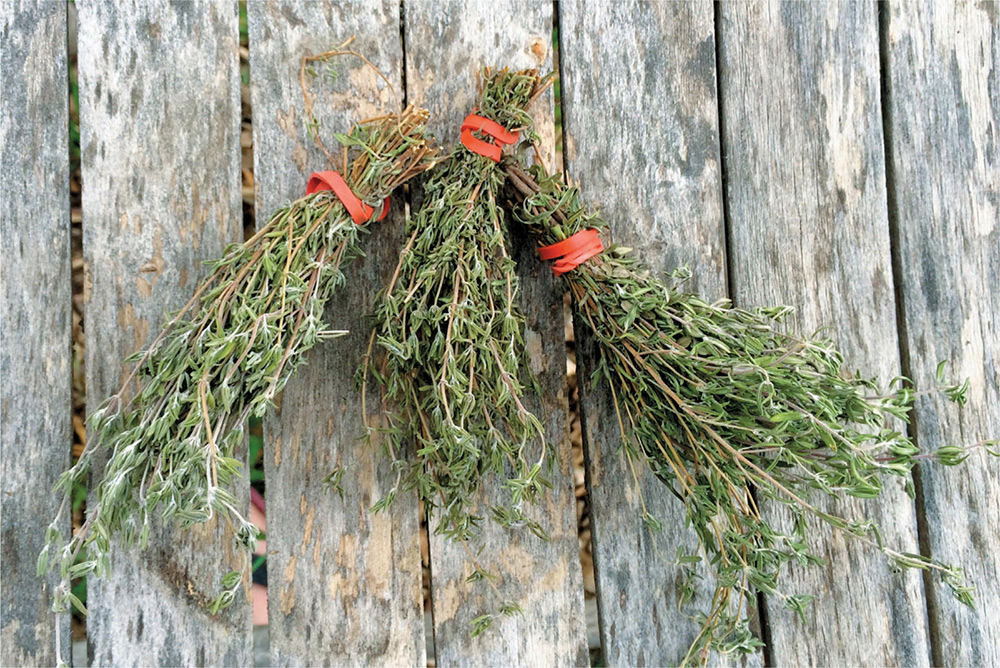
pixel 572 252
pixel 360 212
pixel 499 133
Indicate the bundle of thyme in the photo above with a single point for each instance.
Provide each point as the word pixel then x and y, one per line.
pixel 727 409
pixel 174 427
pixel 451 336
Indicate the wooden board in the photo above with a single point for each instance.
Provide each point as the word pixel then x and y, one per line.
pixel 943 116
pixel 641 127
pixel 35 325
pixel 160 119
pixel 345 584
pixel 808 225
pixel 446 44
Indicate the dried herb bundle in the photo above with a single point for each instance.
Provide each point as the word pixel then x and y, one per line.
pixel 726 409
pixel 451 336
pixel 174 427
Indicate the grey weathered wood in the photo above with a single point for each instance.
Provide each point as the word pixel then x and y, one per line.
pixel 803 147
pixel 641 127
pixel 160 120
pixel 944 115
pixel 808 212
pixel 446 44
pixel 345 584
pixel 35 325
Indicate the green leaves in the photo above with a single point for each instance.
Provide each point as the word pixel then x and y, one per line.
pixel 335 480
pixel 727 409
pixel 450 335
pixel 480 625
pixel 231 584
pixel 797 604
pixel 174 431
pixel 451 358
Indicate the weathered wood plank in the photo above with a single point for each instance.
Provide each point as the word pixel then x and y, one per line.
pixel 944 112
pixel 642 139
pixel 160 119
pixel 345 584
pixel 35 356
pixel 446 44
pixel 808 223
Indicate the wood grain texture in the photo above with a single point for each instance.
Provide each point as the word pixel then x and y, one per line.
pixel 160 120
pixel 641 125
pixel 35 325
pixel 808 227
pixel 944 116
pixel 345 584
pixel 446 45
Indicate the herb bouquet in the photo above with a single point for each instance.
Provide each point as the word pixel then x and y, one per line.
pixel 727 409
pixel 450 332
pixel 174 427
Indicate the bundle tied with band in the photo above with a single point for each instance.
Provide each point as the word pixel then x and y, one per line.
pixel 176 424
pixel 448 345
pixel 727 409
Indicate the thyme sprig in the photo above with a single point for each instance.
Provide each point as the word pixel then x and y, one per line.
pixel 726 409
pixel 450 337
pixel 174 428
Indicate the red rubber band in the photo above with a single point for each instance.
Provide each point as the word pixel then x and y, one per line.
pixel 360 212
pixel 499 133
pixel 483 148
pixel 572 252
pixel 490 127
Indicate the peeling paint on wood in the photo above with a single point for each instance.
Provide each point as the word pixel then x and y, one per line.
pixel 446 44
pixel 808 227
pixel 160 120
pixel 35 322
pixel 944 124
pixel 344 582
